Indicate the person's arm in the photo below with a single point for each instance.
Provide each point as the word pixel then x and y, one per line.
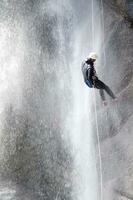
pixel 89 72
pixel 94 77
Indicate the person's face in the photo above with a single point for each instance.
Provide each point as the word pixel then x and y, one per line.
pixel 94 60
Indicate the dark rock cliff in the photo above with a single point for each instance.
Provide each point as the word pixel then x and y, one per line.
pixel 116 131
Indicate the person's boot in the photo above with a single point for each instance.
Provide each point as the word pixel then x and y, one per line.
pixel 105 103
pixel 115 100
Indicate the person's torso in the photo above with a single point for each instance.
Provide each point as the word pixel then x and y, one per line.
pixel 88 67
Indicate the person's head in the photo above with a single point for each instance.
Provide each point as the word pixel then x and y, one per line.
pixel 93 56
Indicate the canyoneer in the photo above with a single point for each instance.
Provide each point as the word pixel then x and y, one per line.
pixel 91 79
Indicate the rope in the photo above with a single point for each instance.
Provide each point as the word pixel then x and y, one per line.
pixel 103 30
pixel 96 117
pixel 93 25
pixel 99 149
pixel 57 194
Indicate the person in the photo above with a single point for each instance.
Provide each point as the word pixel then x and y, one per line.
pixel 91 79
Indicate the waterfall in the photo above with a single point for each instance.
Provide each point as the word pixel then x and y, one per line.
pixel 46 139
pixel 87 37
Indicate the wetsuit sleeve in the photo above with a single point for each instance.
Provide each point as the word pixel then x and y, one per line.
pixel 95 73
pixel 89 72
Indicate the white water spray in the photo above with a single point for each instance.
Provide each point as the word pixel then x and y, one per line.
pixel 86 182
pixel 78 122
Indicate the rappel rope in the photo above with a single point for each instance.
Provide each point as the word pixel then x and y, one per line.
pixel 57 194
pixel 96 118
pixel 103 45
pixel 103 36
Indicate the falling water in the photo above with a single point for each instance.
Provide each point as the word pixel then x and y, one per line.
pixel 41 91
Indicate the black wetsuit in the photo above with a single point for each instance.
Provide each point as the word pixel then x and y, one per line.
pixel 89 72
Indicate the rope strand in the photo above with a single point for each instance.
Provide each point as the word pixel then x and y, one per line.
pixel 103 30
pixel 96 117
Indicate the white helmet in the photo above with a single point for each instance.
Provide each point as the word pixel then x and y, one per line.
pixel 93 55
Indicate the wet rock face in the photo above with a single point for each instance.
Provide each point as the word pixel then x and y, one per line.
pixel 116 132
pixel 130 7
pixel 126 5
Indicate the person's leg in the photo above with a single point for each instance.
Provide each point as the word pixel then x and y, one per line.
pixel 101 91
pixel 109 91
pixel 100 85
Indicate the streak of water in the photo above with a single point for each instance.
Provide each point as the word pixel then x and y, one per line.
pixel 42 49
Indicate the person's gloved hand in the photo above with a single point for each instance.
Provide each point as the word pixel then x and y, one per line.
pixel 94 78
